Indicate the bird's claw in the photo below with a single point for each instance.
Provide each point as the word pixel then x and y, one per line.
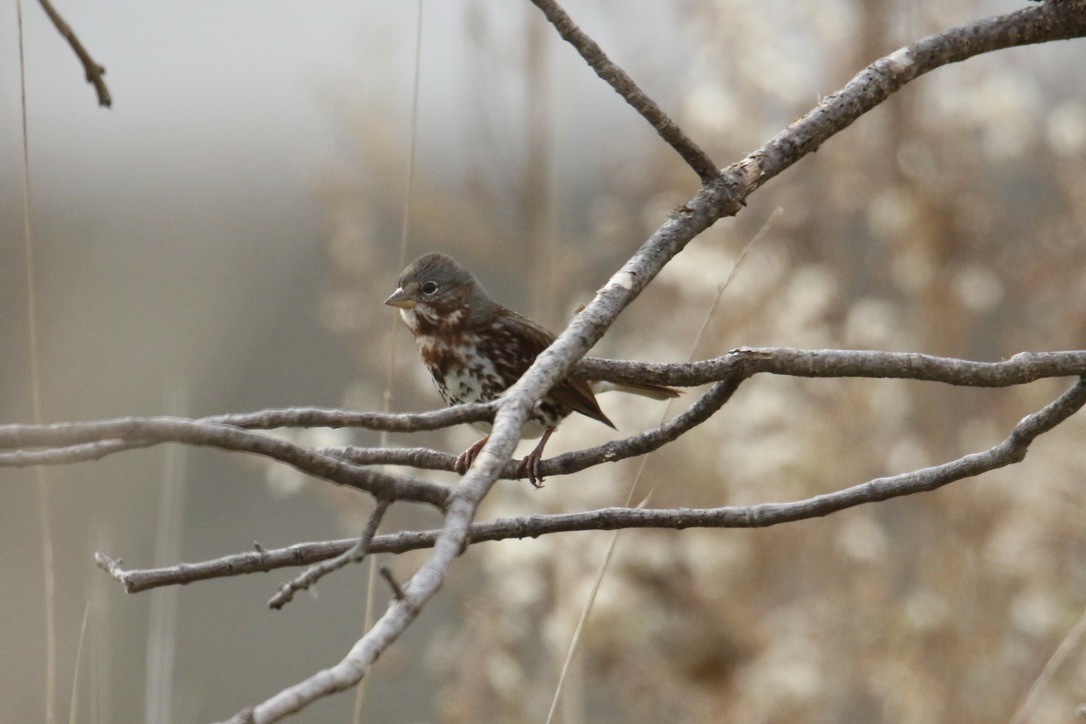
pixel 466 458
pixel 463 462
pixel 529 468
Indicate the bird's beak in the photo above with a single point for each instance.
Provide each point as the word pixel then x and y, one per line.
pixel 399 298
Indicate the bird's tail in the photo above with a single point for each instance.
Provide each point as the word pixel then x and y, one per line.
pixel 645 389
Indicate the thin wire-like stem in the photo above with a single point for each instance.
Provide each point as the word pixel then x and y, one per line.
pixel 73 707
pixel 393 322
pixel 1067 645
pixel 34 354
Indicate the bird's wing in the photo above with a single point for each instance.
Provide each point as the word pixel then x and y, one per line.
pixel 533 339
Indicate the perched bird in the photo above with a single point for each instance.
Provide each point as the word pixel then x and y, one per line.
pixel 475 349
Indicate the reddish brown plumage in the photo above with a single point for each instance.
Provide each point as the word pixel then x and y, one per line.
pixel 475 349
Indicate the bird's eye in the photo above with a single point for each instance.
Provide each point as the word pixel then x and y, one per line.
pixel 429 288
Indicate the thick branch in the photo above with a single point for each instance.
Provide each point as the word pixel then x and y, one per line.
pixel 724 196
pixel 875 83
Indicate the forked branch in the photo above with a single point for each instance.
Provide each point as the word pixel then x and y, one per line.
pixel 721 197
pixel 722 194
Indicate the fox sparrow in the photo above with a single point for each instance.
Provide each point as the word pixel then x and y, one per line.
pixel 475 349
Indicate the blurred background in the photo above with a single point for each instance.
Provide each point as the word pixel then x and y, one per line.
pixel 221 240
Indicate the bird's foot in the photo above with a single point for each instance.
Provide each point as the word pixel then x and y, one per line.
pixel 466 458
pixel 529 466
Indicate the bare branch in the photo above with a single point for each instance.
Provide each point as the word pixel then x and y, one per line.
pixel 18 435
pixel 1011 450
pixel 391 422
pixel 67 454
pixel 397 589
pixel 144 431
pixel 15 435
pixel 354 554
pixel 716 199
pixel 1020 369
pixel 461 507
pixel 625 86
pixel 572 462
pixel 876 82
pixel 725 195
pixel 91 68
pixel 730 368
pixel 745 362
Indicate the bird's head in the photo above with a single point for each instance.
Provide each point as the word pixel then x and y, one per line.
pixel 434 291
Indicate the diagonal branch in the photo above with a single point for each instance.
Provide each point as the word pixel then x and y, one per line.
pixel 625 86
pixel 91 68
pixel 1011 450
pixel 725 196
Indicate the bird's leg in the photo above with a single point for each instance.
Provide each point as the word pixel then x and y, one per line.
pixel 529 466
pixel 466 458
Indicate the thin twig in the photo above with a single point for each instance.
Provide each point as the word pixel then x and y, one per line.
pixel 625 86
pixel 93 70
pixel 390 578
pixel 354 554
